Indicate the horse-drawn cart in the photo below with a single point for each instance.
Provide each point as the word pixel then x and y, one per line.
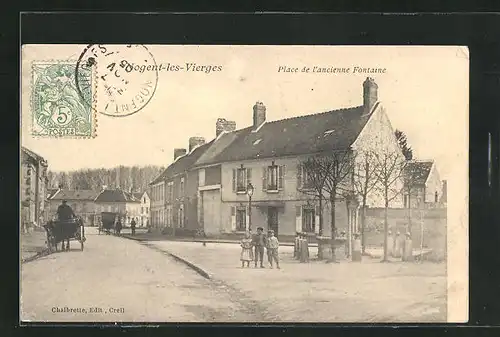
pixel 63 231
pixel 107 222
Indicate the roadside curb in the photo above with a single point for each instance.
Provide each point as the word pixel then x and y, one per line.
pixel 191 265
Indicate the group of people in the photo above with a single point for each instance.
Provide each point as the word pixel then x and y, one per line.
pixel 119 226
pixel 253 247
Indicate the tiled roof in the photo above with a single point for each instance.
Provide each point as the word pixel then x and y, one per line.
pixel 75 195
pixel 418 171
pixel 115 195
pixel 182 163
pixel 32 154
pixel 138 196
pixel 218 146
pixel 316 133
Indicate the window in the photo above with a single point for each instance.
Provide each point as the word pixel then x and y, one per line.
pixel 241 178
pixel 142 210
pixel 306 178
pixel 182 187
pixel 308 220
pixel 273 178
pixel 436 196
pixel 144 200
pixel 170 191
pixel 241 219
pixel 147 210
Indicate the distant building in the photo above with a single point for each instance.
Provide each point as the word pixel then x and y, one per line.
pixel 118 201
pixel 175 191
pixel 425 185
pixel 145 207
pixel 81 201
pixel 33 191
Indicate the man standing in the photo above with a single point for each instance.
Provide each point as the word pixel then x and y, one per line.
pixel 259 242
pixel 65 212
pixel 132 226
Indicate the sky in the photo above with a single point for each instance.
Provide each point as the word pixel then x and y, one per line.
pixel 424 91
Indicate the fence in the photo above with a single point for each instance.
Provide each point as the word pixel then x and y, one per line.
pixel 431 222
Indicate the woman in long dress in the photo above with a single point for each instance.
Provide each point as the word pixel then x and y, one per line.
pixel 246 250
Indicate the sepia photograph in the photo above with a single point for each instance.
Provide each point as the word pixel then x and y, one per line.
pixel 252 184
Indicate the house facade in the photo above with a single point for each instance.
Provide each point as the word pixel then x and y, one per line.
pixel 145 208
pixel 425 185
pixel 118 201
pixel 174 202
pixel 270 156
pixel 81 201
pixel 33 189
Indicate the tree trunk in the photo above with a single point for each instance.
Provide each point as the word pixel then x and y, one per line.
pixel 386 228
pixel 363 224
pixel 320 250
pixel 332 244
pixel 409 213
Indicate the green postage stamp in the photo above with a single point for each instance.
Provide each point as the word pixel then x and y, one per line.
pixel 63 101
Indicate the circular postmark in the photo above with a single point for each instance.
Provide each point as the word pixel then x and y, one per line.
pixel 127 76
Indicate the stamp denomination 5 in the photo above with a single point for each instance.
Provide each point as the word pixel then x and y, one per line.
pixel 59 109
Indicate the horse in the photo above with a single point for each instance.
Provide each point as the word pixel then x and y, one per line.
pixel 63 231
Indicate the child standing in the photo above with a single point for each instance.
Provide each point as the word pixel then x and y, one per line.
pixel 246 250
pixel 273 245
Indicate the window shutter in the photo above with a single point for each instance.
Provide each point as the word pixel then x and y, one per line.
pixel 316 219
pixel 249 176
pixel 298 218
pixel 281 173
pixel 247 218
pixel 299 176
pixel 234 180
pixel 264 178
pixel 233 218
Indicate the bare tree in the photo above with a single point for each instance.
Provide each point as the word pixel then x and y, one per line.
pixel 411 176
pixel 338 171
pixel 365 180
pixel 390 169
pixel 326 176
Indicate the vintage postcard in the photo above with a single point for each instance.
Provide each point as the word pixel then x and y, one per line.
pixel 183 183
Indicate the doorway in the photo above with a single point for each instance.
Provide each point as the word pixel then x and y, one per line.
pixel 272 219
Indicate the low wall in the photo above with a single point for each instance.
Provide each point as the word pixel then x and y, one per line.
pixel 431 221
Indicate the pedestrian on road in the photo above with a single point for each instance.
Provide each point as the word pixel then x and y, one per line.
pixel 132 226
pixel 118 227
pixel 246 250
pixel 259 242
pixel 272 249
pixel 268 249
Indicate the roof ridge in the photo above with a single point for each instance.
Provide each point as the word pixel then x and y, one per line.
pixel 316 114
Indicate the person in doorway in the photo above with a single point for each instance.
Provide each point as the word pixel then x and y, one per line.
pixel 259 242
pixel 272 249
pixel 132 226
pixel 246 250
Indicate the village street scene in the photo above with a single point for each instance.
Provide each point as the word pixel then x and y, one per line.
pixel 324 216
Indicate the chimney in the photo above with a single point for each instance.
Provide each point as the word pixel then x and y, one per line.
pixel 179 152
pixel 259 115
pixel 370 94
pixel 195 141
pixel 224 125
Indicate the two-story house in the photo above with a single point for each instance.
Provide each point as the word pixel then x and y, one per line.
pixel 269 157
pixel 423 185
pixel 33 191
pixel 145 207
pixel 174 200
pixel 118 201
pixel 81 201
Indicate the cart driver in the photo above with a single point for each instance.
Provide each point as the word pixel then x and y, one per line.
pixel 64 212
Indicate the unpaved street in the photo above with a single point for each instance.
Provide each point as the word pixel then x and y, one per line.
pixel 121 280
